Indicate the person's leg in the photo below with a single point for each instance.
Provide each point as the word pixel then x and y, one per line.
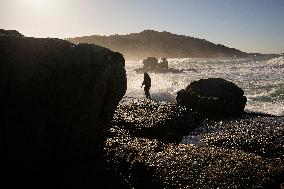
pixel 147 93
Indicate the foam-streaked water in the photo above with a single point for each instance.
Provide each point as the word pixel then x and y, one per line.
pixel 262 79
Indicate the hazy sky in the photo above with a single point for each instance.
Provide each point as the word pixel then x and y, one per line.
pixel 248 25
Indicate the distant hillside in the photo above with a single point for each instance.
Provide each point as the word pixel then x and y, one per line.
pixel 159 44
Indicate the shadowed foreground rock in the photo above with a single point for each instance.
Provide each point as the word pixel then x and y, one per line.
pixel 154 119
pixel 246 152
pixel 213 97
pixel 57 102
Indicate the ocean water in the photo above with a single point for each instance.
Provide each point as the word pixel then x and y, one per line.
pixel 261 78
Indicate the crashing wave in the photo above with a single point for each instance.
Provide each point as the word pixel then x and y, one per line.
pixel 277 61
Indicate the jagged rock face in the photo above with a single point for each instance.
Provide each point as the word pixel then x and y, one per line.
pixel 213 97
pixel 57 98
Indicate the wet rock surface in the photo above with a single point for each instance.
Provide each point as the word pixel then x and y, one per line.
pixel 245 152
pixel 153 119
pixel 261 135
pixel 213 97
pixel 57 100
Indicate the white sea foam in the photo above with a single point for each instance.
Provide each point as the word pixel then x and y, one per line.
pixel 260 78
pixel 277 61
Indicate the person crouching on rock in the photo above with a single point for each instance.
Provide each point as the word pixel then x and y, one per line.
pixel 147 85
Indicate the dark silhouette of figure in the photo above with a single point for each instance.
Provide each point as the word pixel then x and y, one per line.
pixel 147 85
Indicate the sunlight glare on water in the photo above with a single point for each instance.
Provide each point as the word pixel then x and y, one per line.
pixel 260 78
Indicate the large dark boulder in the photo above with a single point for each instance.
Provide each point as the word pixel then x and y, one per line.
pixel 57 100
pixel 213 97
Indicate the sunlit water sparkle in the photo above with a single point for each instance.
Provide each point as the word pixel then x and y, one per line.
pixel 262 79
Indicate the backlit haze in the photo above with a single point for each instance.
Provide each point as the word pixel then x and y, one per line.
pixel 248 25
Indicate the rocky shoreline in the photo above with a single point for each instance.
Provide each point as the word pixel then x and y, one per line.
pixel 144 146
pixel 65 123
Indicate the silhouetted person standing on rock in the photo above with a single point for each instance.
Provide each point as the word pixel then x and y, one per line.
pixel 147 85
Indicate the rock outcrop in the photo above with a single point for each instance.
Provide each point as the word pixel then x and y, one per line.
pixel 213 97
pixel 151 64
pixel 244 152
pixel 57 100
